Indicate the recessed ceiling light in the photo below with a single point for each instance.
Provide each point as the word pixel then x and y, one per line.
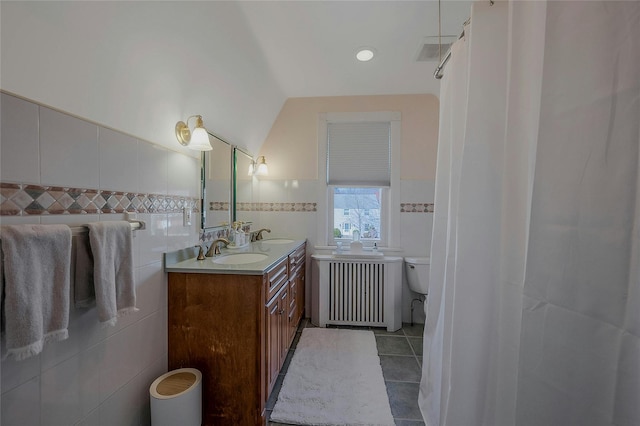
pixel 365 54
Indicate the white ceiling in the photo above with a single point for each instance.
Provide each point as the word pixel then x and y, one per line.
pixel 140 66
pixel 310 46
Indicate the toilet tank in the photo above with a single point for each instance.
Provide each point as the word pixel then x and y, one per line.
pixel 417 270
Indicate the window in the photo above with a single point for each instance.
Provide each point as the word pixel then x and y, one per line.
pixel 361 190
pixel 357 208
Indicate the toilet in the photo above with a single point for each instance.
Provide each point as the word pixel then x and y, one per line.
pixel 417 270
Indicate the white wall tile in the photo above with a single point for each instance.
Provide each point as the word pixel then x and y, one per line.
pixel 90 366
pixel 16 373
pixel 152 240
pixel 417 191
pixel 68 150
pixel 123 408
pixel 152 341
pixel 60 393
pixel 415 233
pixel 105 372
pixel 89 328
pixel 19 220
pixel 183 175
pixel 121 360
pixel 118 161
pixel 20 144
pixel 54 353
pixel 92 419
pixel 152 168
pixel 151 288
pixel 272 191
pixel 21 406
pixel 180 236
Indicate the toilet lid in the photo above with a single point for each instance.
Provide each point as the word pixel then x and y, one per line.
pixel 418 260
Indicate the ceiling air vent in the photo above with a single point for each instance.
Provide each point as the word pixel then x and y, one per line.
pixel 429 50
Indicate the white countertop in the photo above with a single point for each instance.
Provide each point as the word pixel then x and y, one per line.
pixel 185 260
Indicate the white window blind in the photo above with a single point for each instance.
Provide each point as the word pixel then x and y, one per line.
pixel 359 154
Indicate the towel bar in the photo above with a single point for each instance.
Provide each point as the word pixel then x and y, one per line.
pixel 136 225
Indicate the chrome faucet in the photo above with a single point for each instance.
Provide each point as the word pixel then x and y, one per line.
pixel 214 248
pixel 257 236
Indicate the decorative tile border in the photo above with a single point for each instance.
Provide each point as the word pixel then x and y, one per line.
pixel 219 206
pixel 416 207
pixel 27 200
pixel 277 207
pixel 306 207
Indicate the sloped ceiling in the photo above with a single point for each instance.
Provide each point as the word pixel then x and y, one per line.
pixel 140 66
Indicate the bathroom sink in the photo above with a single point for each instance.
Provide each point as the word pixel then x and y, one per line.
pixel 277 241
pixel 239 258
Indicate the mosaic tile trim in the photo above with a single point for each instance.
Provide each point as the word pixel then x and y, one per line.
pixel 210 235
pixel 27 200
pixel 219 206
pixel 277 207
pixel 416 207
pixel 306 207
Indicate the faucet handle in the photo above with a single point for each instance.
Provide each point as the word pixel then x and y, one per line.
pixel 200 253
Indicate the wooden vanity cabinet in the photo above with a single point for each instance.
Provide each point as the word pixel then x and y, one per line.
pixel 235 329
pixel 297 261
pixel 277 323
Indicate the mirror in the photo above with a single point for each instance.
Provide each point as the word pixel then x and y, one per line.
pixel 216 185
pixel 243 187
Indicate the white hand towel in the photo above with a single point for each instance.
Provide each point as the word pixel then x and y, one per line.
pixel 36 261
pixel 115 287
pixel 83 288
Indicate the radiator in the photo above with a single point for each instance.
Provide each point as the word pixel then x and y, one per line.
pixel 364 292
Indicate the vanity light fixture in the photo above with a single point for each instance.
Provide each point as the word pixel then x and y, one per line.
pixel 261 168
pixel 252 168
pixel 198 140
pixel 365 54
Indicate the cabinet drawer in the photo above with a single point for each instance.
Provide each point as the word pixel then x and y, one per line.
pixel 293 293
pixel 296 260
pixel 276 277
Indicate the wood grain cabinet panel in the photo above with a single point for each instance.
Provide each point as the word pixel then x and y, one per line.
pixel 235 329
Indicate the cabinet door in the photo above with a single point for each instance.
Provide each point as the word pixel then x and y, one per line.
pixel 273 341
pixel 300 281
pixel 284 324
pixel 292 318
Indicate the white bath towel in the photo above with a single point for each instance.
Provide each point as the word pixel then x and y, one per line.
pixel 83 288
pixel 36 262
pixel 113 279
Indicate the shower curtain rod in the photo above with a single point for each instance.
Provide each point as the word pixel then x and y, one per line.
pixel 438 73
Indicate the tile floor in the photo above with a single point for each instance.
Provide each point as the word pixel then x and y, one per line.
pixel 401 359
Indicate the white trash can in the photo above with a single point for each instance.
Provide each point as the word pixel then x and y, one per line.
pixel 176 398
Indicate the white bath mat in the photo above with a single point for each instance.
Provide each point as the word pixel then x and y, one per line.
pixel 334 378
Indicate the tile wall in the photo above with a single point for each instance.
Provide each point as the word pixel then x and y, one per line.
pixel 99 376
pixel 288 208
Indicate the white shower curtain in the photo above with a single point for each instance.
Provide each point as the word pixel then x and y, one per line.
pixel 533 315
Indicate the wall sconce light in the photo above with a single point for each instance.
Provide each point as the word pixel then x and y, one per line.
pixel 252 168
pixel 197 140
pixel 261 168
